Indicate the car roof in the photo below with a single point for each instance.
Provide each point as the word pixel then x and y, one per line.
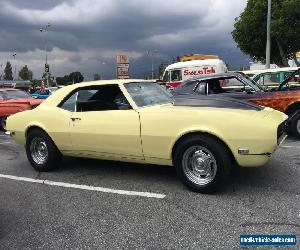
pixel 214 76
pixel 106 82
pixel 259 71
pixel 61 92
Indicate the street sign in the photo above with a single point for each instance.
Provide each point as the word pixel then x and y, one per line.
pixel 122 67
pixel 122 59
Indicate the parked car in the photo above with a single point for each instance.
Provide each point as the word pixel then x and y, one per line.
pixel 13 101
pixel 239 86
pixel 271 78
pixel 139 121
pixel 42 94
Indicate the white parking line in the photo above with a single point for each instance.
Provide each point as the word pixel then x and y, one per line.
pixel 6 142
pixel 290 146
pixel 84 187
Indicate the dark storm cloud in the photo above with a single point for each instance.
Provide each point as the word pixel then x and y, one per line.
pixel 34 4
pixel 87 34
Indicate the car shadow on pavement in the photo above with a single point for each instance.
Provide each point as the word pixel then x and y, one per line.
pixel 116 174
pixel 124 175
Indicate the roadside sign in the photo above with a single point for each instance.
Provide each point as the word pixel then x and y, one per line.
pixel 122 59
pixel 122 67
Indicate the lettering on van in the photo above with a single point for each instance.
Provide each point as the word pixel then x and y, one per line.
pixel 203 71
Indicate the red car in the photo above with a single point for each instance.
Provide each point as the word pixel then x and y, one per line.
pixel 13 101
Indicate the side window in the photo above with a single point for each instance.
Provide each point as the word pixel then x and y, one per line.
pixel 176 75
pixel 202 88
pixel 97 98
pixel 70 103
pixel 260 80
pixel 226 85
pixel 271 80
pixel 166 77
pixel 187 87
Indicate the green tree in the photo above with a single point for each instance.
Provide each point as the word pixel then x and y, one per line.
pixel 161 69
pixel 65 80
pixel 73 77
pixel 8 75
pixel 25 73
pixel 76 77
pixel 250 30
pixel 97 77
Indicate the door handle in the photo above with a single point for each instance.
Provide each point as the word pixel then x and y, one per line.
pixel 75 118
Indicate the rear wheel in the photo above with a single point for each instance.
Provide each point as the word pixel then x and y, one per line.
pixel 202 163
pixel 3 123
pixel 295 125
pixel 41 151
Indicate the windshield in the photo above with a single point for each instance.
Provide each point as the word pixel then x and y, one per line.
pixel 14 94
pixel 148 94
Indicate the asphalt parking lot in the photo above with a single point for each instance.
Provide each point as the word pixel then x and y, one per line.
pixel 99 212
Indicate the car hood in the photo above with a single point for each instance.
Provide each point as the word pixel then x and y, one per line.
pixel 214 102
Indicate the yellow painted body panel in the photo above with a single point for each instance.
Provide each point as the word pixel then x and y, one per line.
pixel 148 134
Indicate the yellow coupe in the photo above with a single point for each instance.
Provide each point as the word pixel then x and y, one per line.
pixel 138 121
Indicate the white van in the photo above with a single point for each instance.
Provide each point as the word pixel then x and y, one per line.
pixel 177 72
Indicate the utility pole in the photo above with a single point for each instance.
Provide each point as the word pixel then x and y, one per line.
pixel 1 71
pixel 14 56
pixel 151 53
pixel 45 30
pixel 268 47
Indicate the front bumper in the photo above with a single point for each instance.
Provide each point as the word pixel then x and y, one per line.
pixel 246 158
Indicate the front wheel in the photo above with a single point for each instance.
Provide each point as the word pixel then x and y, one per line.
pixel 295 125
pixel 41 151
pixel 202 163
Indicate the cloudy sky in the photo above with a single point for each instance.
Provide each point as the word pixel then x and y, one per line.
pixel 86 35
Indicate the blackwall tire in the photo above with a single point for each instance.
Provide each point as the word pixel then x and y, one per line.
pixel 3 123
pixel 41 151
pixel 295 125
pixel 202 163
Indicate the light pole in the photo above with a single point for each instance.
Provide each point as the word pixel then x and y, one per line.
pixel 151 53
pixel 45 30
pixel 1 71
pixel 14 56
pixel 268 46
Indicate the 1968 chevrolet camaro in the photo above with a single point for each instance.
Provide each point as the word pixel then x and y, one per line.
pixel 138 121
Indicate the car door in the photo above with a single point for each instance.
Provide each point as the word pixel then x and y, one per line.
pixel 104 124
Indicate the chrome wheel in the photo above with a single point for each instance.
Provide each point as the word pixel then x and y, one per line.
pixel 199 165
pixel 39 150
